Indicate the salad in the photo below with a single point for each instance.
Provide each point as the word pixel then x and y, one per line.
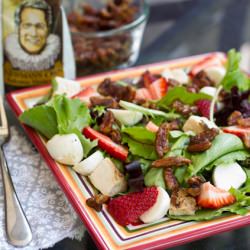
pixel 175 144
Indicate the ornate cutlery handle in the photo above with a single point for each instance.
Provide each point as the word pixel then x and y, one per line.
pixel 17 227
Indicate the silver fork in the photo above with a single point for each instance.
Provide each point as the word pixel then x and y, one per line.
pixel 17 227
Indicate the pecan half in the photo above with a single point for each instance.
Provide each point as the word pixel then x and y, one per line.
pixel 107 123
pixel 201 80
pixel 170 179
pixel 246 139
pixel 119 92
pixel 161 141
pixel 194 192
pixel 202 141
pixel 175 124
pixel 196 181
pixel 97 201
pixel 172 161
pixel 234 117
pixel 244 122
pixel 107 102
pixel 184 109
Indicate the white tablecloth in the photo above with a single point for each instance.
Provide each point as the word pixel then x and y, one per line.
pixel 50 215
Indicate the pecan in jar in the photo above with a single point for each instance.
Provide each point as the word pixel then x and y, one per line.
pixel 170 179
pixel 97 201
pixel 107 102
pixel 233 118
pixel 202 80
pixel 119 92
pixel 161 140
pixel 184 109
pixel 171 161
pixel 202 141
pixel 244 122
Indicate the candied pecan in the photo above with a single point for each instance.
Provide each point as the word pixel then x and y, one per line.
pixel 175 124
pixel 202 141
pixel 107 123
pixel 170 179
pixel 116 136
pixel 234 117
pixel 194 192
pixel 107 102
pixel 97 201
pixel 161 141
pixel 184 109
pixel 244 122
pixel 201 80
pixel 172 161
pixel 173 82
pixel 182 203
pixel 246 139
pixel 196 181
pixel 119 92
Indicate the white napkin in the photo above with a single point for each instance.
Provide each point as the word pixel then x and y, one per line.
pixel 48 211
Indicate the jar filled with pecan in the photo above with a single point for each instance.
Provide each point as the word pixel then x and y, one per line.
pixel 106 36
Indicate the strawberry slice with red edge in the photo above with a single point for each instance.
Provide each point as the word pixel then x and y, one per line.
pixel 152 127
pixel 158 88
pixel 203 107
pixel 214 59
pixel 237 130
pixel 105 143
pixel 213 197
pixel 148 78
pixel 143 93
pixel 85 94
pixel 126 209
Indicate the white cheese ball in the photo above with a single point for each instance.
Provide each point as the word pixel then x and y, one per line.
pixel 66 149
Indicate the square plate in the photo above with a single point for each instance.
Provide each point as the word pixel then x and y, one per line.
pixel 104 230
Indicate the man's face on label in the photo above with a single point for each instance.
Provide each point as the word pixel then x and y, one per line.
pixel 33 30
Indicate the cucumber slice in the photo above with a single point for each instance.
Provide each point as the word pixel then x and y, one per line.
pixel 127 117
pixel 87 166
pixel 229 175
pixel 64 86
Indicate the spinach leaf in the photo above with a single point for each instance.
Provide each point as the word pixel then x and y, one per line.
pixel 154 177
pixel 181 94
pixel 140 134
pixel 144 150
pixel 41 118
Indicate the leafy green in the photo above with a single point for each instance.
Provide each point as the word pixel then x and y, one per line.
pixel 71 114
pixel 148 112
pixel 234 75
pixel 208 214
pixel 41 118
pixel 144 150
pixel 154 177
pixel 221 145
pixel 181 94
pixel 145 164
pixel 239 155
pixel 140 134
pixel 179 146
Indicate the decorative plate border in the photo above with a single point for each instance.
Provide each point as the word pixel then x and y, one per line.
pixel 105 231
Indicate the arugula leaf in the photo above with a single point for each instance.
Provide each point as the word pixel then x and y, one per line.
pixel 140 134
pixel 181 94
pixel 221 145
pixel 240 155
pixel 144 150
pixel 71 114
pixel 41 118
pixel 148 112
pixel 154 177
pixel 234 75
pixel 208 214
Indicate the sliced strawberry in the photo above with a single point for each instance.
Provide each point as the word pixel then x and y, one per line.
pixel 85 94
pixel 204 107
pixel 213 197
pixel 152 127
pixel 148 78
pixel 105 143
pixel 158 88
pixel 236 130
pixel 214 59
pixel 126 209
pixel 143 93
